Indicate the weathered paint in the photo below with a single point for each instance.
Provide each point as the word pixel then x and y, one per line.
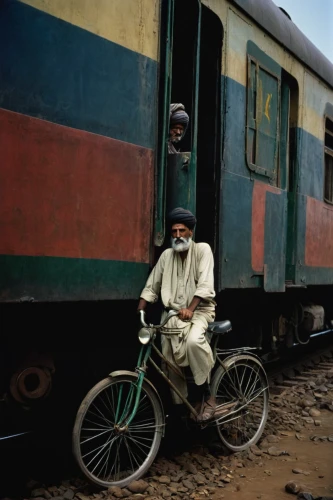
pixel 133 24
pixel 49 39
pixel 313 93
pixel 248 222
pixel 275 242
pixel 234 239
pixel 240 31
pixel 58 279
pixel 304 274
pixel 69 193
pixel 311 161
pixel 319 234
pixel 258 223
pixel 78 106
pixel 235 269
pixel 316 96
pixel 54 70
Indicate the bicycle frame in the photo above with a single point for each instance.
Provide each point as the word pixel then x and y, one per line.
pixel 141 369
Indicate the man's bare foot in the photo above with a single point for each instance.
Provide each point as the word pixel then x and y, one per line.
pixel 198 408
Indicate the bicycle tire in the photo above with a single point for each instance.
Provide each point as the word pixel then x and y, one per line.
pixel 149 407
pixel 227 387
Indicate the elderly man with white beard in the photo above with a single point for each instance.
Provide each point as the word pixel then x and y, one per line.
pixel 178 124
pixel 184 276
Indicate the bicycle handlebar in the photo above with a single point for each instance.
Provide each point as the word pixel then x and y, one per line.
pixel 170 314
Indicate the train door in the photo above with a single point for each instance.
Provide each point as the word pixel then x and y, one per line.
pixel 191 62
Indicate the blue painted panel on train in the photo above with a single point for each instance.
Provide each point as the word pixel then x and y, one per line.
pixel 234 139
pixel 312 165
pixel 235 232
pixel 56 71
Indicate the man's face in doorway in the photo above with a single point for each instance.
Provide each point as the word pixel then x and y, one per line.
pixel 181 237
pixel 176 132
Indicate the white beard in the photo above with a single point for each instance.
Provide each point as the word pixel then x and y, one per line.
pixel 183 246
pixel 176 139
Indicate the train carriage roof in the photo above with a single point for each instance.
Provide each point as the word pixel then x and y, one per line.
pixel 274 21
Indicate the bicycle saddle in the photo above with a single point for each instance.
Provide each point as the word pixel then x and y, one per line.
pixel 219 327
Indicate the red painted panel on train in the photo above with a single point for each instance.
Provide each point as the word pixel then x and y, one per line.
pixel 258 223
pixel 319 234
pixel 70 193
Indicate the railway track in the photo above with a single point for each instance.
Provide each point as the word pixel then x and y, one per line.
pixel 286 377
pixel 300 365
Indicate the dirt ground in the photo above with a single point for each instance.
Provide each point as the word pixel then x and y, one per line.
pixel 267 479
pixel 295 446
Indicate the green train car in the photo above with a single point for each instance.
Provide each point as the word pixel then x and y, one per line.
pixel 86 181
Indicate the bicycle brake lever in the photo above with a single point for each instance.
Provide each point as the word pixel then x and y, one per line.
pixel 142 318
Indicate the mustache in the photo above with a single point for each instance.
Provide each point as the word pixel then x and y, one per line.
pixel 180 244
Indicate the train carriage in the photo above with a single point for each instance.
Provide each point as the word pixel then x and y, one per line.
pixel 86 180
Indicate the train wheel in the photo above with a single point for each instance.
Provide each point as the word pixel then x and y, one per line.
pixel 242 387
pixel 109 453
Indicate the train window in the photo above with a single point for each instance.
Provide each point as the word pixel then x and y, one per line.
pixel 263 108
pixel 328 189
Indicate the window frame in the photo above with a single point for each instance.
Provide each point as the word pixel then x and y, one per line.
pixel 271 174
pixel 327 151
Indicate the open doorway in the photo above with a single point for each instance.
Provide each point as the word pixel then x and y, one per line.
pixel 196 83
pixel 209 128
pixel 193 77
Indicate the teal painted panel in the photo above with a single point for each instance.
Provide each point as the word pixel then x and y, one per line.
pixel 181 182
pixel 235 233
pixel 62 279
pixel 291 237
pixel 311 161
pixel 263 112
pixel 234 124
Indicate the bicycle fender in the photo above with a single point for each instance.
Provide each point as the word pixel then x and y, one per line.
pixel 118 373
pixel 248 357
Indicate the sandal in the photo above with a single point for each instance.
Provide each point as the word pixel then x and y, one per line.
pixel 225 409
pixel 207 413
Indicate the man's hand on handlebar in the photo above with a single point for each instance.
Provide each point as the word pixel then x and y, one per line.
pixel 185 314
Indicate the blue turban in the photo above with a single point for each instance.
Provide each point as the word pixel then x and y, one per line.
pixel 181 216
pixel 178 115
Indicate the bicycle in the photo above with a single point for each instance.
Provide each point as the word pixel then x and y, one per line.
pixel 120 423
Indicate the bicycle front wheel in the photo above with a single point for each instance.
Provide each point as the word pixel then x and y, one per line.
pixel 108 452
pixel 242 388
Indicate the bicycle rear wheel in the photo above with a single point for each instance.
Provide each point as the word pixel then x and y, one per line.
pixel 242 386
pixel 108 452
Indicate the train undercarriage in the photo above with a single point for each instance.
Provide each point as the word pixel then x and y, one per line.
pixel 46 372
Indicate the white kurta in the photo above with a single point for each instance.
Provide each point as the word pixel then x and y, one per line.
pixel 178 282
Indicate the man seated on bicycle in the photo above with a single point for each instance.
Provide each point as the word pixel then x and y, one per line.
pixel 184 277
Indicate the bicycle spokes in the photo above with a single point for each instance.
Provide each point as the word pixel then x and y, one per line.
pixel 242 389
pixel 119 429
